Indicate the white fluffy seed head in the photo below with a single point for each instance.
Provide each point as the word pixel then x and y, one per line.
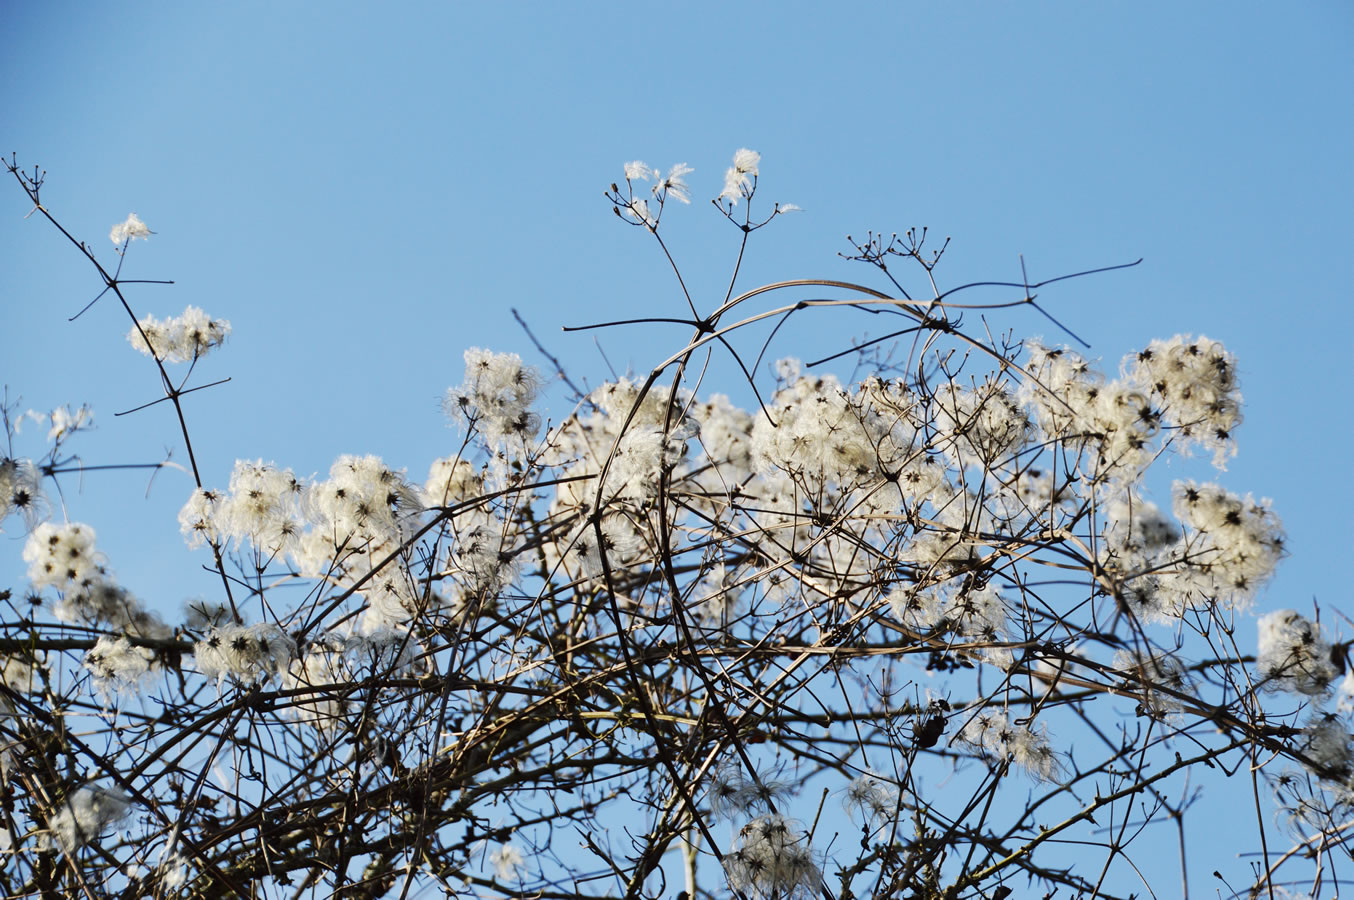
pixel 1293 654
pixel 84 814
pixel 182 338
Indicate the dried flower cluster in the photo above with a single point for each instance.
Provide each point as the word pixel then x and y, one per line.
pixel 183 338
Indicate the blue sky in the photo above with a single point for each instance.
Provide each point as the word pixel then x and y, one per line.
pixel 365 191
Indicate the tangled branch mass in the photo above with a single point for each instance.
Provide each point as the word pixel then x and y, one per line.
pixel 920 635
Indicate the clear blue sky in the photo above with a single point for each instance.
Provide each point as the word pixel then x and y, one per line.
pixel 366 190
